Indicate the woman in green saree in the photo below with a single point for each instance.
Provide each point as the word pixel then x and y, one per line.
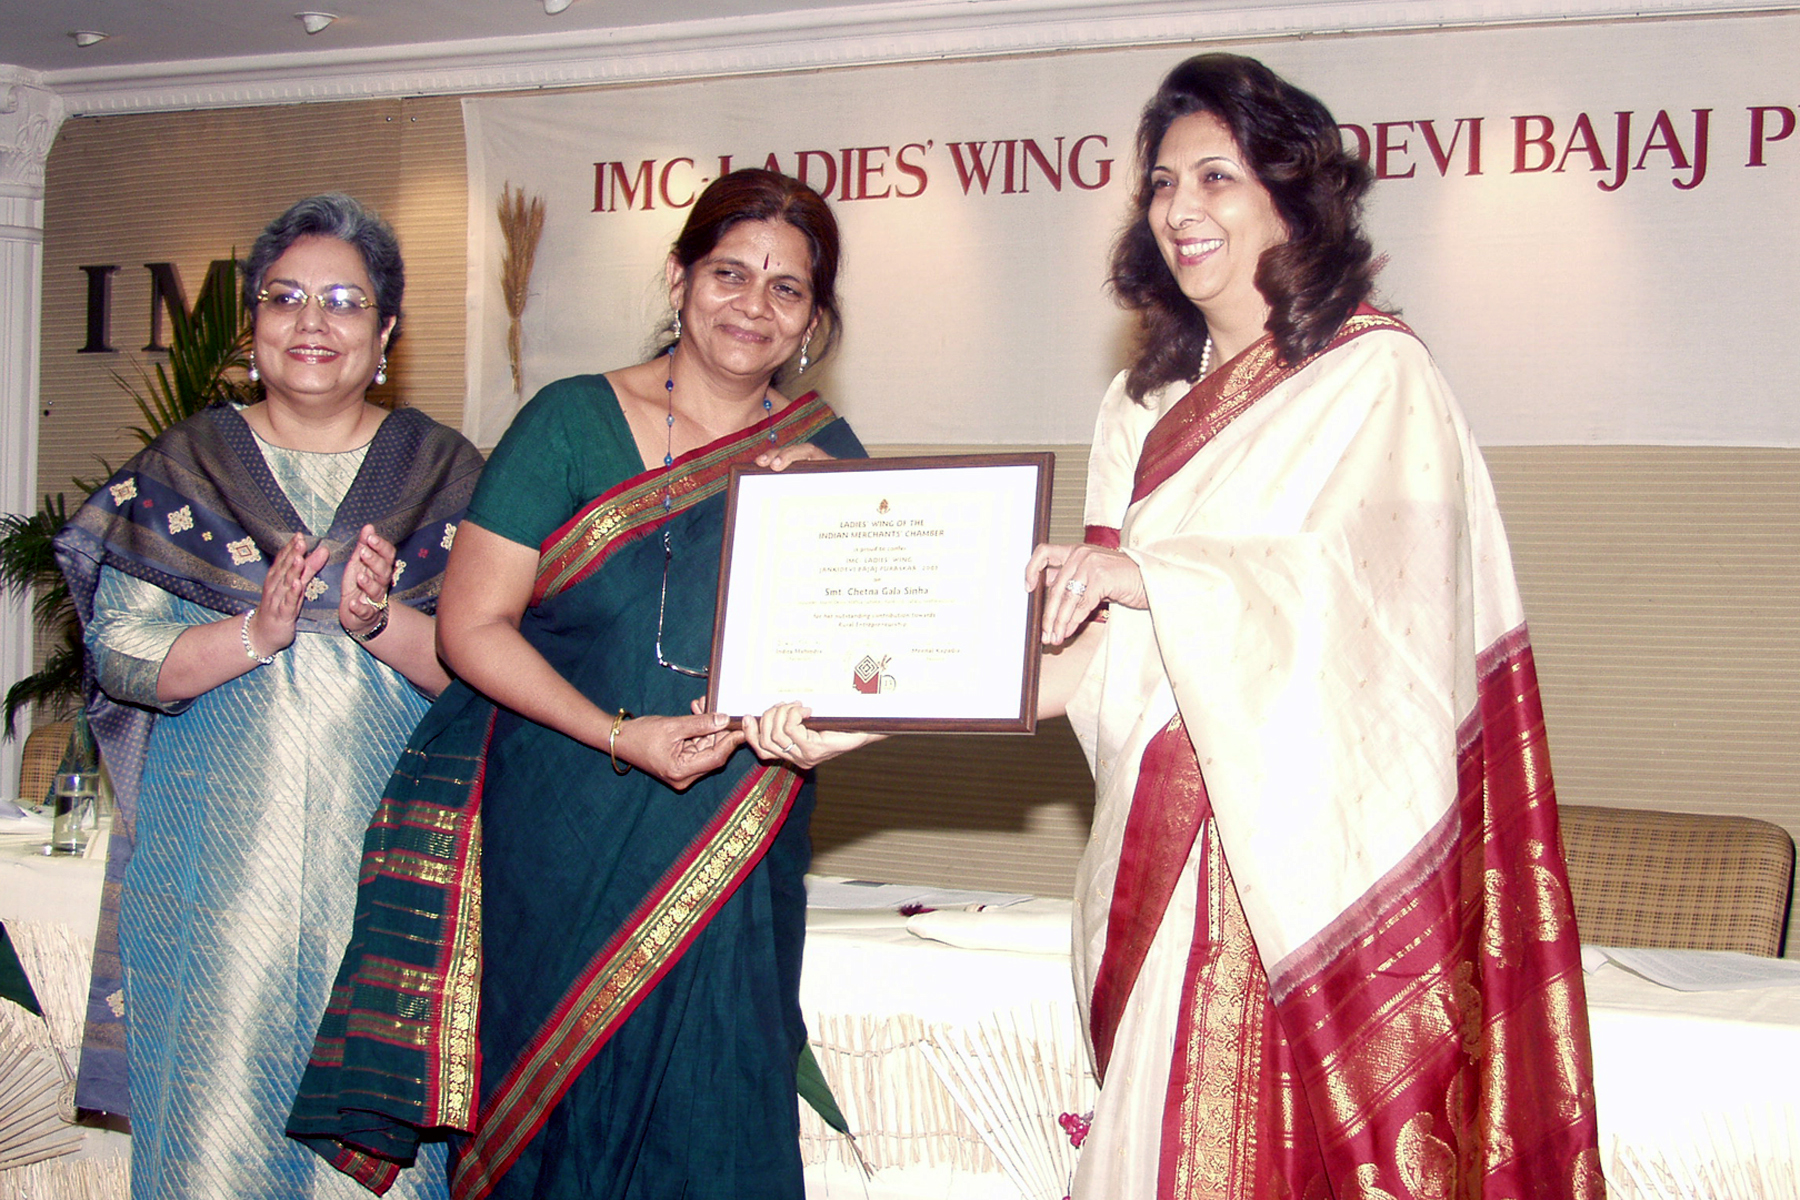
pixel 641 901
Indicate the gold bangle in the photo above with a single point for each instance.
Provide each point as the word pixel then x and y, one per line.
pixel 612 743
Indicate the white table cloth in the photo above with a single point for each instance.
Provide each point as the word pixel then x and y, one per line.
pixel 1702 1086
pixel 49 906
pixel 951 1065
pixel 954 1064
pixel 1697 1092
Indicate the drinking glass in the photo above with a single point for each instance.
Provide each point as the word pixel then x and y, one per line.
pixel 76 810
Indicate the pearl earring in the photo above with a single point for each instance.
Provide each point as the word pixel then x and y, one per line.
pixel 805 361
pixel 255 375
pixel 381 371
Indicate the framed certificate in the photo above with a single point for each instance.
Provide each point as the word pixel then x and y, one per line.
pixel 885 594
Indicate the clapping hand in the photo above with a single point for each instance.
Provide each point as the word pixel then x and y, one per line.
pixel 284 588
pixel 368 574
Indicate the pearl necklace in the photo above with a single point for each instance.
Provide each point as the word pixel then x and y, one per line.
pixel 669 447
pixel 1206 358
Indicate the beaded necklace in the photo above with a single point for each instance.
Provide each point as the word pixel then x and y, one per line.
pixel 669 448
pixel 669 505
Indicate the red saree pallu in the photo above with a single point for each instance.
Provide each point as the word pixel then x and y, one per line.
pixel 1439 1046
pixel 1442 1026
pixel 1326 868
pixel 633 940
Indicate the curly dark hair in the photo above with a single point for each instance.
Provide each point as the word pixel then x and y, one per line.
pixel 753 194
pixel 338 216
pixel 1314 280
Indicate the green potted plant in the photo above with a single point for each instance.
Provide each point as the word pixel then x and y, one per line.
pixel 208 354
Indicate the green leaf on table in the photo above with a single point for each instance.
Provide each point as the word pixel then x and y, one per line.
pixel 816 1092
pixel 810 1081
pixel 16 987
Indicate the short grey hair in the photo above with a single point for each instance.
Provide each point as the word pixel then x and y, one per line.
pixel 338 216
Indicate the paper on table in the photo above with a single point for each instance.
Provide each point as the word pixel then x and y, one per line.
pixel 1704 970
pixel 824 892
pixel 1045 932
pixel 23 822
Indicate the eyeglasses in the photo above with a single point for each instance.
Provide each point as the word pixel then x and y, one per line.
pixel 661 605
pixel 338 301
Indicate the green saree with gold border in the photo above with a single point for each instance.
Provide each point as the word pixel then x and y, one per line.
pixel 594 993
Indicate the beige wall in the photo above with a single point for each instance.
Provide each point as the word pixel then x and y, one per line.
pixel 189 188
pixel 1662 584
pixel 1663 589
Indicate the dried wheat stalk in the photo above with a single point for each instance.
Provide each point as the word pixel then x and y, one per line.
pixel 521 225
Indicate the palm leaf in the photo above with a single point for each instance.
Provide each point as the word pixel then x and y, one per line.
pixel 27 558
pixel 56 685
pixel 15 985
pixel 155 397
pixel 810 1082
pixel 206 350
pixel 816 1092
pixel 28 566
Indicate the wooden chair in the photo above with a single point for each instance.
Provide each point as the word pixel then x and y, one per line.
pixel 1678 880
pixel 43 752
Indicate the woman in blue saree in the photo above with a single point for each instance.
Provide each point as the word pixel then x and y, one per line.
pixel 640 893
pixel 256 589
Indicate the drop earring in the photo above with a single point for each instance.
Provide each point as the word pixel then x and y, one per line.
pixel 805 361
pixel 255 375
pixel 381 370
pixel 678 326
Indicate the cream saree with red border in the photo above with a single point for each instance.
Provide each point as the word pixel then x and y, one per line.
pixel 1323 936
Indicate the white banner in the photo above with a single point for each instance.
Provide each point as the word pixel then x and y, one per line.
pixel 1593 226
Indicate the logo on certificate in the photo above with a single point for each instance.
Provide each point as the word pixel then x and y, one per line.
pixel 867 677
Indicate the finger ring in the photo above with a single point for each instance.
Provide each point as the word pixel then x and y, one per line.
pixel 381 603
pixel 790 748
pixel 1075 587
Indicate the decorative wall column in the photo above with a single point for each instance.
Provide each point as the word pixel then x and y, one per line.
pixel 30 114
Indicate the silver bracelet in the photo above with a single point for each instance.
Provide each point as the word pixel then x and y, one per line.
pixel 244 636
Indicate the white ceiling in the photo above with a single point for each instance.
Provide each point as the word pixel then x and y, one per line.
pixel 177 54
pixel 36 32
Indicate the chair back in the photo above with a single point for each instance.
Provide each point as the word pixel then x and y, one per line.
pixel 43 753
pixel 1678 880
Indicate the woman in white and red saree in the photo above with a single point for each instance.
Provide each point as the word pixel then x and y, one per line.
pixel 1323 932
